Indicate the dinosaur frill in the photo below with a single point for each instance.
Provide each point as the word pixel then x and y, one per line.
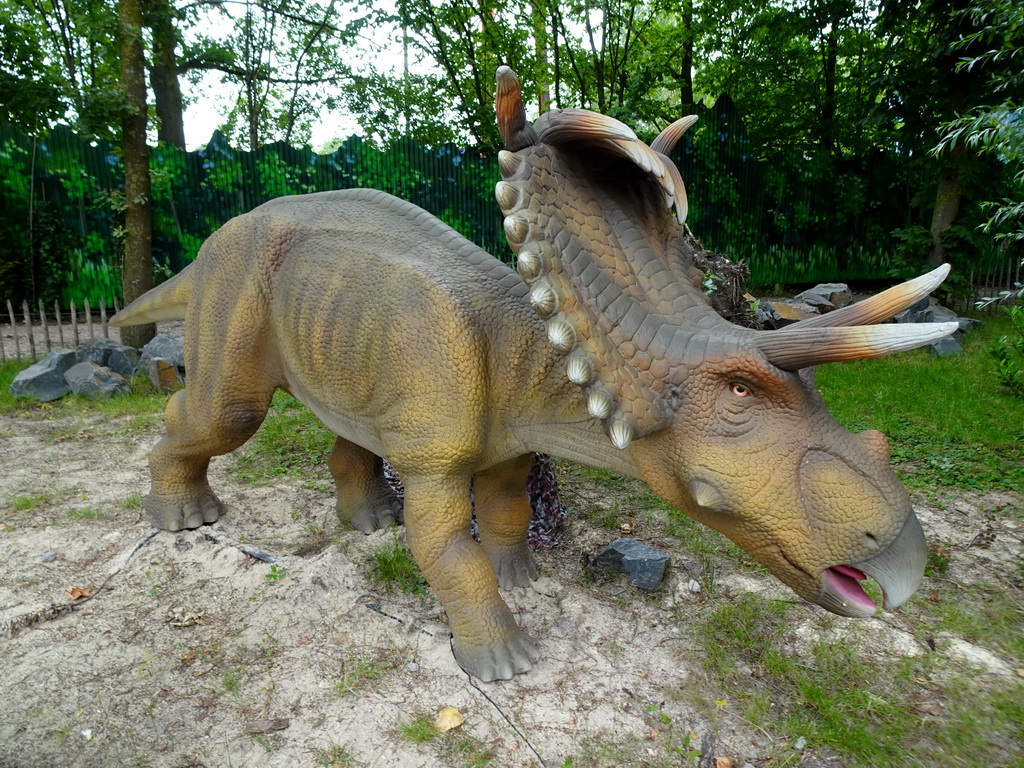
pixel 595 218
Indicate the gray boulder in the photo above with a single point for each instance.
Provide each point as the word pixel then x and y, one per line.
pixel 947 347
pixel 124 361
pixel 167 348
pixel 119 358
pixel 644 565
pixel 163 374
pixel 45 380
pixel 826 296
pixel 92 380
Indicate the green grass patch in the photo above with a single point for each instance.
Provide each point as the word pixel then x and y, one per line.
pixel 290 443
pixel 949 421
pixel 392 565
pixel 359 671
pixel 419 730
pixel 839 697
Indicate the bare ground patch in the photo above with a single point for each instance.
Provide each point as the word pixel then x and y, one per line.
pixel 124 646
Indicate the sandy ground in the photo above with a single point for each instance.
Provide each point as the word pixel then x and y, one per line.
pixel 261 641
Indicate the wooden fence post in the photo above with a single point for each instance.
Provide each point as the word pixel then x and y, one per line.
pixel 46 327
pixel 88 317
pixel 28 329
pixel 103 317
pixel 74 322
pixel 14 329
pixel 60 328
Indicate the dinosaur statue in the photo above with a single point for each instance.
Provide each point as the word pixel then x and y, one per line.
pixel 413 344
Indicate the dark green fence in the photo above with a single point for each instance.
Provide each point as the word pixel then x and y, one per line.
pixel 793 219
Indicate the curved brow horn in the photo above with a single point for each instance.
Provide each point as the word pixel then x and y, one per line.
pixel 508 104
pixel 798 347
pixel 881 306
pixel 668 138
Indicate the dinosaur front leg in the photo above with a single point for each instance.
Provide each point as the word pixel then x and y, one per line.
pixel 502 517
pixel 197 428
pixel 365 499
pixel 487 641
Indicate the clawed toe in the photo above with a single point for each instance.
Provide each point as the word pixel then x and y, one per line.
pixel 175 516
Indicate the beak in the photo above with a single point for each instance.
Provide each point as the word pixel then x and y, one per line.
pixel 898 569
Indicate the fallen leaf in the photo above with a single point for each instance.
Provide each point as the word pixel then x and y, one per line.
pixel 79 593
pixel 1020 672
pixel 448 718
pixel 303 640
pixel 723 762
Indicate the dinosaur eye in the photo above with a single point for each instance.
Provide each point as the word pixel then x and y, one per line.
pixel 740 390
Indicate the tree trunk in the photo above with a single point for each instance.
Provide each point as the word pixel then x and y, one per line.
pixel 947 202
pixel 163 75
pixel 137 269
pixel 686 103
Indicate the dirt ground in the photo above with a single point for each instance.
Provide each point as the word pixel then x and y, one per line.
pixel 261 641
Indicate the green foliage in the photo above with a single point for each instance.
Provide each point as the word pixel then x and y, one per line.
pixel 1008 352
pixel 969 437
pixel 392 565
pixel 290 442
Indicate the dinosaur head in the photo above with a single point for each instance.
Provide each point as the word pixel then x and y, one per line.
pixel 722 422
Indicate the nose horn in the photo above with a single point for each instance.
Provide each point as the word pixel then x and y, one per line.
pixel 876 443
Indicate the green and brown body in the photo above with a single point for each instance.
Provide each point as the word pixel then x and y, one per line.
pixel 414 345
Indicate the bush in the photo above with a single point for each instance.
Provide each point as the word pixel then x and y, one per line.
pixel 1008 352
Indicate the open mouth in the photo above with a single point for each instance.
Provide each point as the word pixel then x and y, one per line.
pixel 843 593
pixel 897 570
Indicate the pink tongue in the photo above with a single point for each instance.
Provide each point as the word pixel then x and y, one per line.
pixel 853 573
pixel 844 579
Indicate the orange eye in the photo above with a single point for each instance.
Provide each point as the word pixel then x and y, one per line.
pixel 740 390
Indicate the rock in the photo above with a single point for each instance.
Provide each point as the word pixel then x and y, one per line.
pixel 87 378
pixel 49 557
pixel 968 324
pixel 124 361
pixel 96 350
pixel 947 347
pixel 163 374
pixel 45 380
pixel 826 296
pixel 166 348
pixel 777 313
pixel 644 565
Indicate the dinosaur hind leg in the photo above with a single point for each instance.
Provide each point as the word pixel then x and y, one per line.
pixel 199 425
pixel 502 517
pixel 365 498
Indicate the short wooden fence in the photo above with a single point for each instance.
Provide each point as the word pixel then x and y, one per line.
pixel 34 334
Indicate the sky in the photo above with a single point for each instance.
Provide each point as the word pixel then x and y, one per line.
pixel 210 100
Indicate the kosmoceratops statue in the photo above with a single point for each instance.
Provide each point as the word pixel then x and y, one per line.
pixel 413 344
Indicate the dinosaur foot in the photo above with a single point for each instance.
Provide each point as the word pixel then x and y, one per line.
pixel 498 662
pixel 175 515
pixel 514 566
pixel 372 517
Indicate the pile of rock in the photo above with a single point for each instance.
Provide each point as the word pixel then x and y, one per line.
pixel 101 368
pixel 826 297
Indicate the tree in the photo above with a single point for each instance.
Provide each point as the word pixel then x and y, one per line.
pixel 996 127
pixel 137 267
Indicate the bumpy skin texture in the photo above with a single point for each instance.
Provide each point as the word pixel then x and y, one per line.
pixel 413 344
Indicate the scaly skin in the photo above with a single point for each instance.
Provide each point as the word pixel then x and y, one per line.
pixel 412 344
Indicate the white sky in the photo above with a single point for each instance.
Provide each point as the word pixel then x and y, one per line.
pixel 210 100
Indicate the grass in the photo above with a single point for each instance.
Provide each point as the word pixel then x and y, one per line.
pixel 392 565
pixel 950 424
pixel 290 443
pixel 360 670
pixel 839 698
